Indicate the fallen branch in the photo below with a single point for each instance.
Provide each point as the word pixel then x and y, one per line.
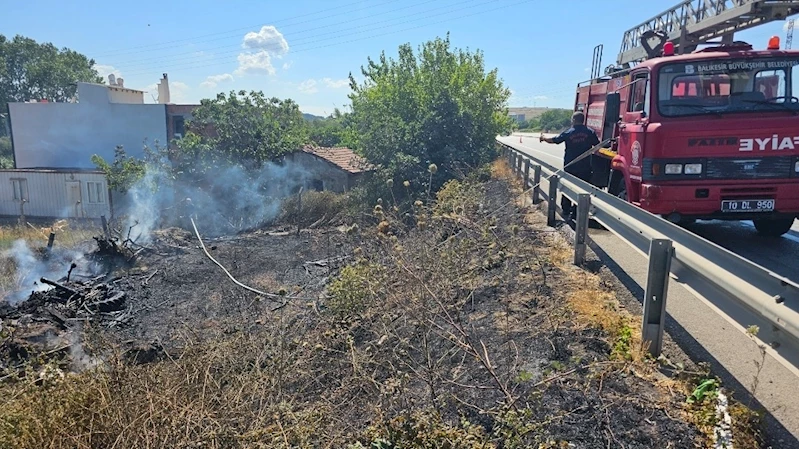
pixel 235 281
pixel 60 287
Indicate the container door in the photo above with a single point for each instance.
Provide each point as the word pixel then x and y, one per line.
pixel 74 200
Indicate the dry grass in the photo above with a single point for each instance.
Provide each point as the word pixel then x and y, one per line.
pixel 67 233
pixel 433 338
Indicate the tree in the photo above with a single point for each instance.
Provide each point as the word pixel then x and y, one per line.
pixel 439 106
pixel 555 120
pixel 6 153
pixel 30 70
pixel 242 128
pixel 333 131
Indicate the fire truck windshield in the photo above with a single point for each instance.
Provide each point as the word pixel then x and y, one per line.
pixel 721 86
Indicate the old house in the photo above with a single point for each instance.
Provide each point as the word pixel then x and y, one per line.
pixel 334 169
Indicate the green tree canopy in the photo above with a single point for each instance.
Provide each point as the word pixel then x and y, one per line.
pixel 333 131
pixel 439 106
pixel 243 128
pixel 555 120
pixel 6 153
pixel 30 70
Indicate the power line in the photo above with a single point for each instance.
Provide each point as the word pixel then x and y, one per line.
pixel 185 67
pixel 149 47
pixel 309 40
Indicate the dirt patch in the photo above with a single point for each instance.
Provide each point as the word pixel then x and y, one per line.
pixel 460 328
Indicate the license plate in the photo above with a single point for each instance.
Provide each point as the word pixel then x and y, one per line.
pixel 747 205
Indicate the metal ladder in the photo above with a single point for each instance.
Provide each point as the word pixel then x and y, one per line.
pixel 693 22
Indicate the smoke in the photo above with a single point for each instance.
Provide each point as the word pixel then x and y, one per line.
pixel 80 360
pixel 226 200
pixel 30 268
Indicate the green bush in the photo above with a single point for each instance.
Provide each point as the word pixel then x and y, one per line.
pixel 354 289
pixel 6 153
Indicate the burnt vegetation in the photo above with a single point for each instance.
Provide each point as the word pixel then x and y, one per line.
pixel 461 324
pixel 430 307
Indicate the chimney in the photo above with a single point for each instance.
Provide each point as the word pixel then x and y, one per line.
pixel 112 80
pixel 163 90
pixel 120 82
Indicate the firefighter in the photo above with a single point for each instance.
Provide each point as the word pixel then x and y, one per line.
pixel 579 139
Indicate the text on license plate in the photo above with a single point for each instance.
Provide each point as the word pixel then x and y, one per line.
pixel 747 205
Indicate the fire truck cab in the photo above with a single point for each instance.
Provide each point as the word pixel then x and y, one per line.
pixel 712 134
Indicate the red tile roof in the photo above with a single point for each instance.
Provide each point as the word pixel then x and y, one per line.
pixel 343 158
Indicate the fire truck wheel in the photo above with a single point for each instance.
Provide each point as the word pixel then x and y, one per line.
pixel 773 228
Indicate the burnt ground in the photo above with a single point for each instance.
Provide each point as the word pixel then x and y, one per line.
pixel 473 317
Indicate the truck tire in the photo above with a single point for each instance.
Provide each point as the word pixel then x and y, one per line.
pixel 773 227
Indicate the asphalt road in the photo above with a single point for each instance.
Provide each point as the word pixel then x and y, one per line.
pixel 703 331
pixel 779 255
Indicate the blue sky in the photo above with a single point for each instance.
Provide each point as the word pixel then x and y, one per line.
pixel 304 49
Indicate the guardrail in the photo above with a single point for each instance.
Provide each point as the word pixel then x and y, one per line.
pixel 719 275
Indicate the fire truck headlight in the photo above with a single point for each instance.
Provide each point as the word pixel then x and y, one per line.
pixel 796 167
pixel 673 169
pixel 693 169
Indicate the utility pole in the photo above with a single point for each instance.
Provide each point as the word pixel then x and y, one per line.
pixel 789 35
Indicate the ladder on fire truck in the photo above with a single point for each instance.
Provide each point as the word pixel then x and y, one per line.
pixel 695 22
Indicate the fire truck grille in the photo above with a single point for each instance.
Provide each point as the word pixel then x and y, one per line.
pixel 749 168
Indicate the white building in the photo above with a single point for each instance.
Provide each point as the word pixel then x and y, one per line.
pixel 66 135
pixel 54 194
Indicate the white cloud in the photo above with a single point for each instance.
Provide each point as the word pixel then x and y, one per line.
pixel 213 80
pixel 287 65
pixel 255 63
pixel 105 70
pixel 178 92
pixel 540 97
pixel 336 84
pixel 269 39
pixel 308 86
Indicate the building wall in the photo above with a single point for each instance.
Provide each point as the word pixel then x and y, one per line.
pixel 178 116
pixel 321 171
pixel 123 95
pixel 66 135
pixel 54 194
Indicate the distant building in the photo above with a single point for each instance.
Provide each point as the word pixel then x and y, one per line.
pixel 520 118
pixel 334 169
pixel 66 135
pixel 53 144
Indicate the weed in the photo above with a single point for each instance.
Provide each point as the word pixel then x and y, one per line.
pixel 312 208
pixel 623 342
pixel 355 289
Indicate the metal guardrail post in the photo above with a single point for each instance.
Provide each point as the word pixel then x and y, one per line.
pixel 519 163
pixel 552 205
pixel 657 286
pixel 536 183
pixel 581 228
pixel 526 173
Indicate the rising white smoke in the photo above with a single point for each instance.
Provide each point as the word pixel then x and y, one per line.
pixel 231 200
pixel 30 268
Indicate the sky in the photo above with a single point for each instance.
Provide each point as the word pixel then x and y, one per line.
pixel 305 49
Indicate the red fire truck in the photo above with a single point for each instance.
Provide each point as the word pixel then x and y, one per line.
pixel 708 134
